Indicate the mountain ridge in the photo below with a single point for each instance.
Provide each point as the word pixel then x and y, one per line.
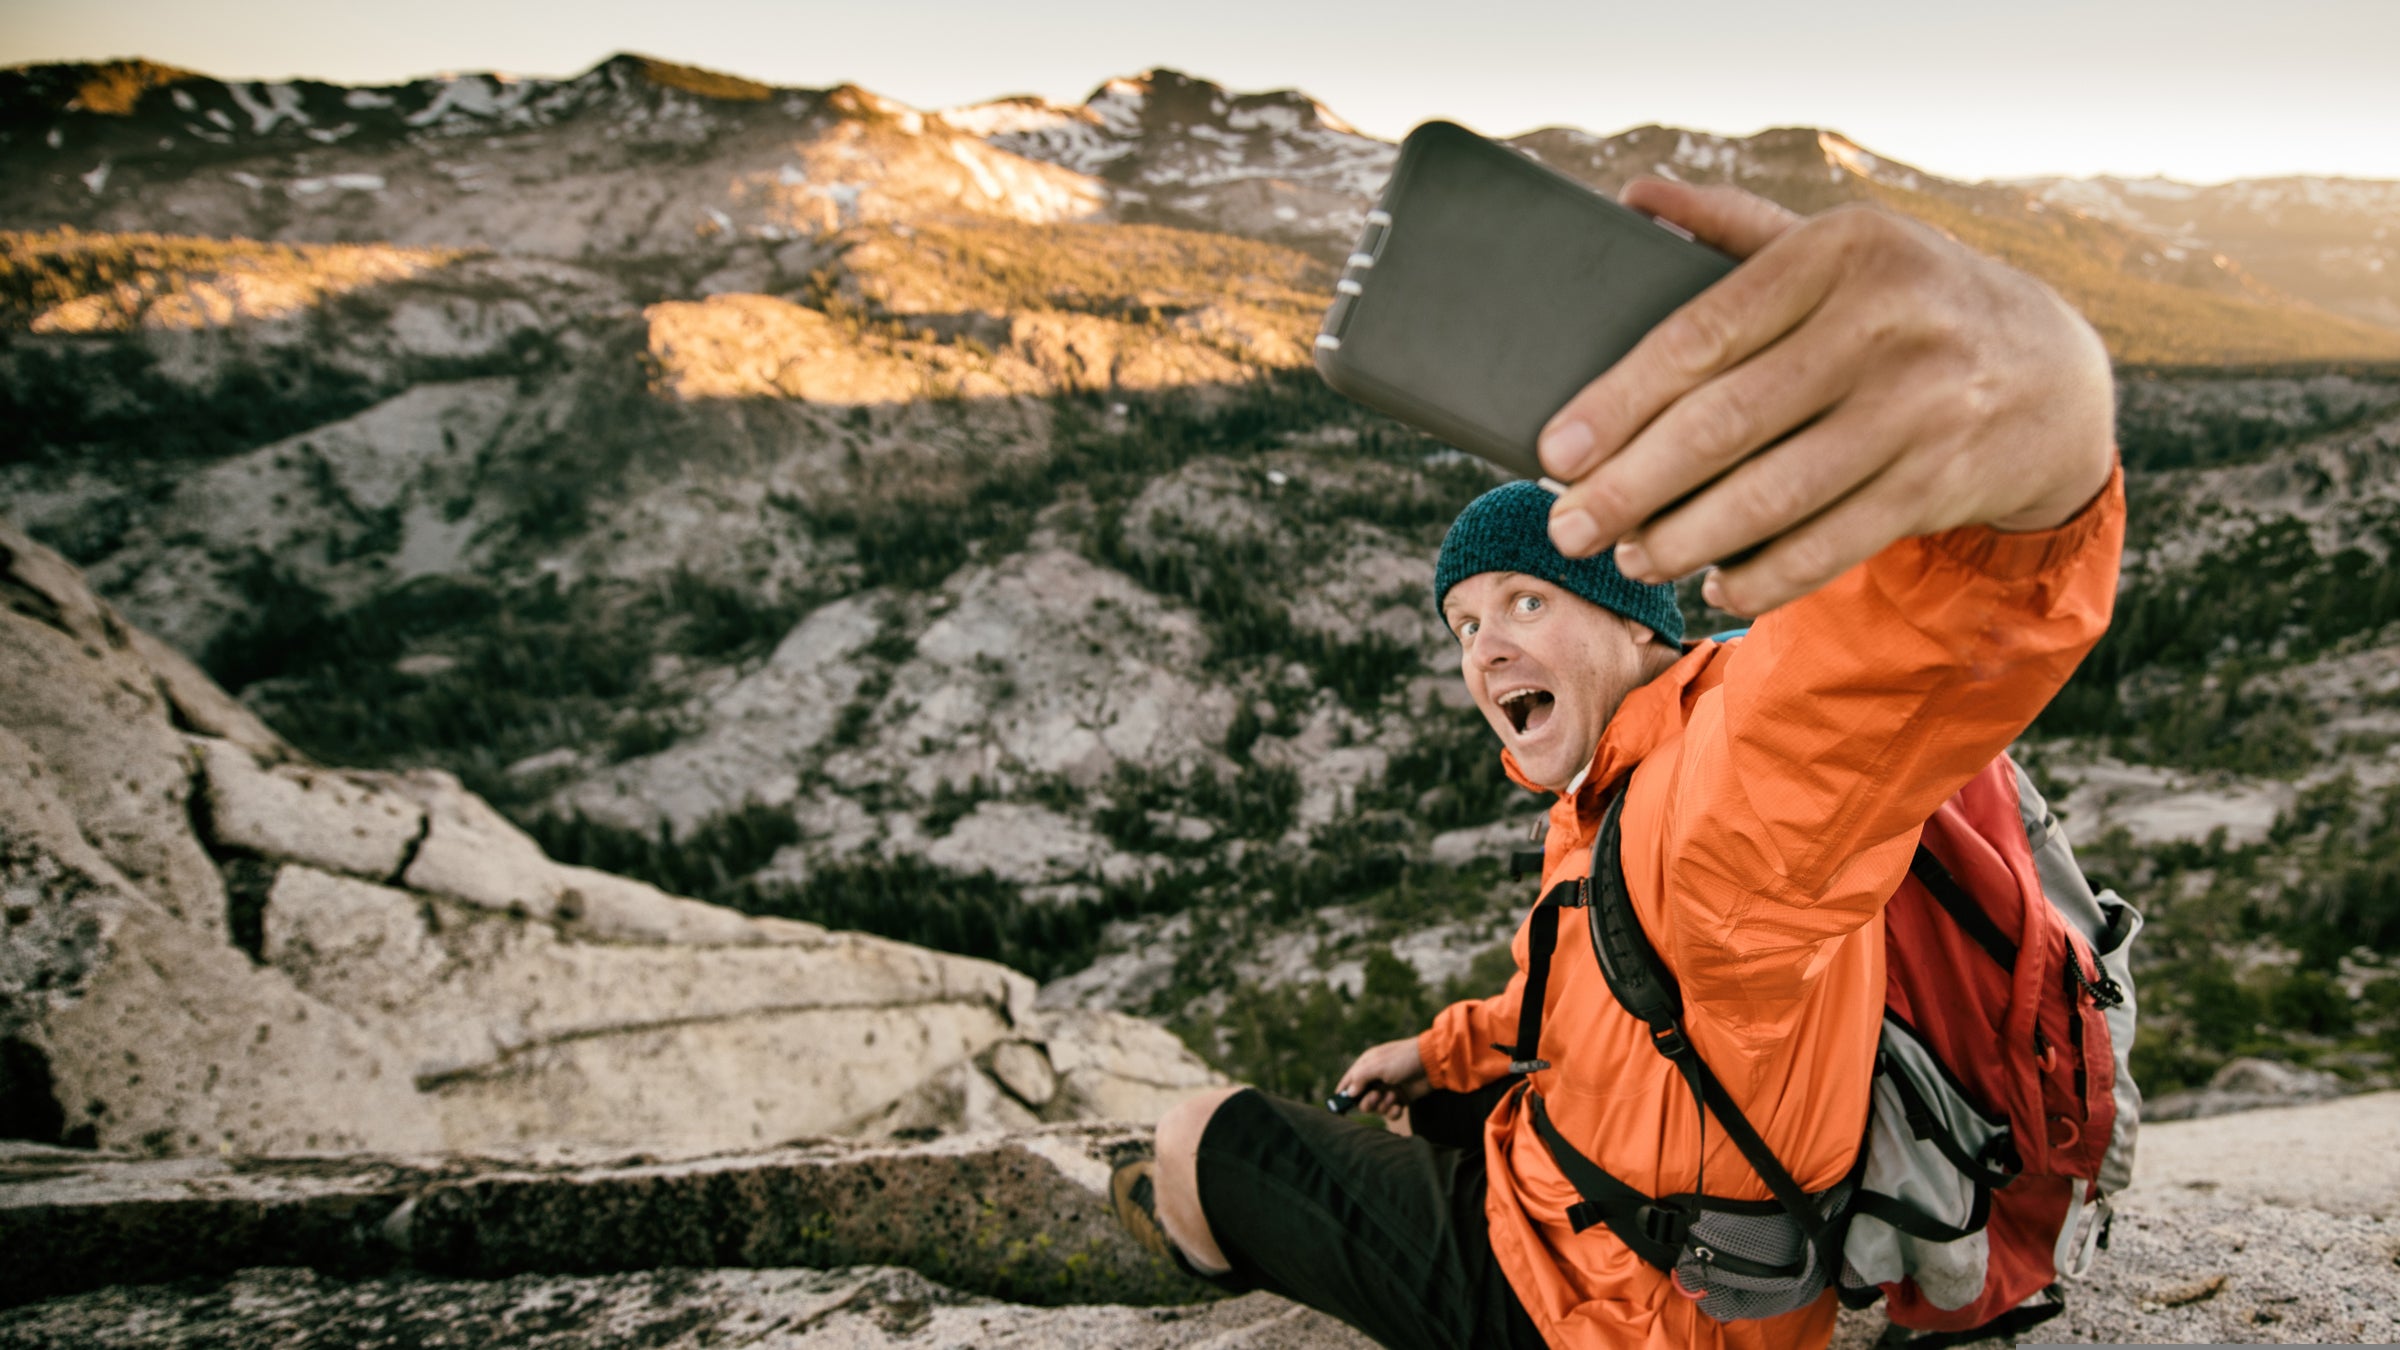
pixel 649 156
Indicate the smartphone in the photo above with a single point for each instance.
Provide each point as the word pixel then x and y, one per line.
pixel 1487 290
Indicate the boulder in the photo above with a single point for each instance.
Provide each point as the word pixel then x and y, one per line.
pixel 2245 1084
pixel 471 853
pixel 1112 1066
pixel 526 1033
pixel 413 972
pixel 134 1029
pixel 1025 1071
pixel 960 1098
pixel 602 906
pixel 293 811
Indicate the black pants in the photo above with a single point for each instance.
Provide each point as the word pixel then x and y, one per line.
pixel 1383 1231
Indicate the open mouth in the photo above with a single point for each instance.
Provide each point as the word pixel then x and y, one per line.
pixel 1527 709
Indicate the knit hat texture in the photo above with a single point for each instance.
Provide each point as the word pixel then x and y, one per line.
pixel 1508 530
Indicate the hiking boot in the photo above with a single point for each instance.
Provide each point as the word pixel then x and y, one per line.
pixel 1133 1190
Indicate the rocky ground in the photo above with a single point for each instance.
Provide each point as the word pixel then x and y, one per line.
pixel 2275 1226
pixel 860 1306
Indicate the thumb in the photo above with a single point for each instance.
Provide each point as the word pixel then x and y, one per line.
pixel 1740 223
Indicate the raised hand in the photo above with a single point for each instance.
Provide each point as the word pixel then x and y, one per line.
pixel 1859 379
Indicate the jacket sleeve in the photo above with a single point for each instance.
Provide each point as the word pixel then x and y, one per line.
pixel 1458 1049
pixel 1795 796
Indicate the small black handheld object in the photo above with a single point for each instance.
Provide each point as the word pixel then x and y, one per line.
pixel 1343 1103
pixel 1487 290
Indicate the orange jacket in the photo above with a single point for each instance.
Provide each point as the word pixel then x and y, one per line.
pixel 1782 782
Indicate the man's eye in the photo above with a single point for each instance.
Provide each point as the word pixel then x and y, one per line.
pixel 1467 629
pixel 1527 604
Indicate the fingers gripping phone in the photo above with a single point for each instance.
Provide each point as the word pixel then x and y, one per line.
pixel 1487 290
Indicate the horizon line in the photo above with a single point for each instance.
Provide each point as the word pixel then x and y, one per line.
pixel 2009 180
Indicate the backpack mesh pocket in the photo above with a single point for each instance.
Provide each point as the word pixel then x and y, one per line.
pixel 1774 1242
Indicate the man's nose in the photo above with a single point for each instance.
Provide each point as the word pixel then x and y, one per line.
pixel 1490 649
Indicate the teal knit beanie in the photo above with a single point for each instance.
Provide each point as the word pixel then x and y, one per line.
pixel 1508 530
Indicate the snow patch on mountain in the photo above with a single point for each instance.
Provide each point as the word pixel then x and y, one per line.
pixel 1273 119
pixel 1118 105
pixel 273 105
pixel 1075 139
pixel 465 100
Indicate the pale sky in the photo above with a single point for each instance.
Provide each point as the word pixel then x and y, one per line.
pixel 2201 90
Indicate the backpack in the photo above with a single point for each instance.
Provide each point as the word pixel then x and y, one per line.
pixel 2002 1114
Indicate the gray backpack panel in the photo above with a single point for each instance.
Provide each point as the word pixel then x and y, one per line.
pixel 1905 1167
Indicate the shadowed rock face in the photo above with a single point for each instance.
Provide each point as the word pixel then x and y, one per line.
pixel 395 967
pixel 1022 1218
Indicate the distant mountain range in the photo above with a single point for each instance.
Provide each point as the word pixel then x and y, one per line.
pixel 642 157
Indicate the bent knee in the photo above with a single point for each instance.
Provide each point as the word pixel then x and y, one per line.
pixel 1179 1130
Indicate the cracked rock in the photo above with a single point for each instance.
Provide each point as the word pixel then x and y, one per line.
pixel 307 815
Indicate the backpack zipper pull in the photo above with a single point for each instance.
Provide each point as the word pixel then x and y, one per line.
pixel 2105 995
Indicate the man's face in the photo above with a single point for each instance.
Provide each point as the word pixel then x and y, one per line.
pixel 1547 667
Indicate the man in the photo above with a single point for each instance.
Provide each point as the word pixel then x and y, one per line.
pixel 1915 444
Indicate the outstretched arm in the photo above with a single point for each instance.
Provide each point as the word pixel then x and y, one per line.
pixel 1859 379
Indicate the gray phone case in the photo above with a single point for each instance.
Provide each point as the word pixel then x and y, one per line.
pixel 1487 290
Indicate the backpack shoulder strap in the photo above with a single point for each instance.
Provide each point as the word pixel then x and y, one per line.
pixel 1646 989
pixel 1637 976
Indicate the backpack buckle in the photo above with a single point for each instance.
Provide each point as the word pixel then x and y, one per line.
pixel 1666 1225
pixel 1528 1065
pixel 1670 1042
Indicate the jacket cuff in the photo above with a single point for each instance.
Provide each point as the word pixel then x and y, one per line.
pixel 1436 1046
pixel 2015 556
